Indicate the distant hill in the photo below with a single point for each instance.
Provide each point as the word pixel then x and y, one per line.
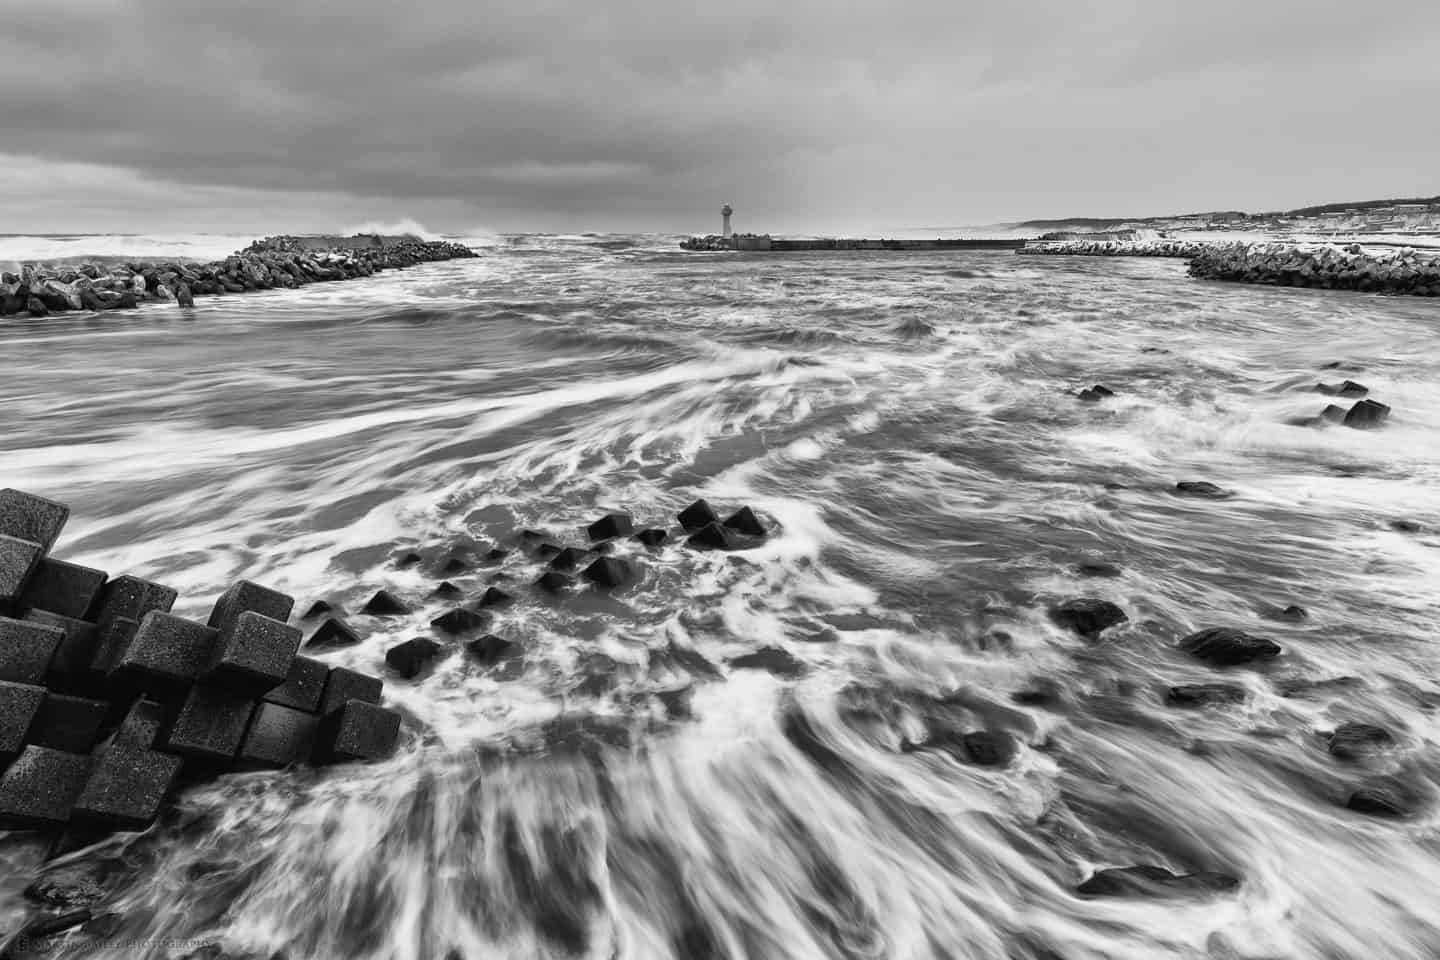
pixel 1103 223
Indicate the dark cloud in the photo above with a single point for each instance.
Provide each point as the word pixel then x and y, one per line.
pixel 805 114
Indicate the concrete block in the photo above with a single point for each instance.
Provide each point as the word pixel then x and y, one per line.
pixel 333 633
pixel 59 586
pixel 567 559
pixel 358 731
pixel 26 649
pixel 745 521
pixel 166 655
pixel 303 687
pixel 318 609
pixel 344 685
pixel 607 572
pixel 610 526
pixel 28 517
pixel 40 788
pixel 131 598
pixel 552 581
pixel 115 636
pixel 141 728
pixel 17 559
pixel 210 725
pixel 384 604
pixel 66 723
pixel 713 536
pixel 652 537
pixel 126 787
pixel 19 703
pixel 490 649
pixel 409 659
pixel 278 737
pixel 698 515
pixel 459 620
pixel 495 597
pixel 247 596
pixel 253 655
pixel 72 667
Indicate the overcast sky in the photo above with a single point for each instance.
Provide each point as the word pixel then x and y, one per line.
pixel 151 115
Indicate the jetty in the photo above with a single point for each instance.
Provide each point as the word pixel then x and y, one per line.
pixel 767 244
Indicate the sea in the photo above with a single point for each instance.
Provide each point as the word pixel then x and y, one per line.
pixel 754 754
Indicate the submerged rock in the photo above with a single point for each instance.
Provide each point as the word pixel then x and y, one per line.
pixel 1087 616
pixel 1224 647
pixel 1097 569
pixel 1356 741
pixel 1366 415
pixel 1095 394
pixel 411 658
pixel 384 604
pixel 652 537
pixel 1204 695
pixel 1201 490
pixel 490 650
pixel 1347 389
pixel 609 527
pixel 1155 882
pixel 607 572
pixel 744 521
pixel 780 662
pixel 698 515
pixel 1379 802
pixel 459 620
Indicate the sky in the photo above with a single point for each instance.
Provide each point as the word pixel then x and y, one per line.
pixel 617 115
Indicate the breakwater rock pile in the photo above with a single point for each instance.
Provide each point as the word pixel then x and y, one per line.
pixel 281 261
pixel 715 242
pixel 1397 270
pixel 108 702
pixel 1118 248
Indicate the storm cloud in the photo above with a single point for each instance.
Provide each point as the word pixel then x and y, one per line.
pixel 154 114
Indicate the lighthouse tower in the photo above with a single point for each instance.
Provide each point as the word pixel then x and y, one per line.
pixel 725 212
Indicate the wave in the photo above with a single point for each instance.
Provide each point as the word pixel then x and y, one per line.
pixel 80 247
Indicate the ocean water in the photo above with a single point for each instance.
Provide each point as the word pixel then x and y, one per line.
pixel 717 761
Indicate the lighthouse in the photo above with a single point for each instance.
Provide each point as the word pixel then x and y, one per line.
pixel 725 212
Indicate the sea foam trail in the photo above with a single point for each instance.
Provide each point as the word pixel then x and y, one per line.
pixel 719 762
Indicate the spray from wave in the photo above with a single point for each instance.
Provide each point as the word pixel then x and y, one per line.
pixel 390 228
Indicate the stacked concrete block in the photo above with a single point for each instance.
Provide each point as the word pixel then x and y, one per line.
pixel 108 700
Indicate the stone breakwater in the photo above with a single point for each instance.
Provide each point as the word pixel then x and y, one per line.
pixel 281 261
pixel 1398 270
pixel 1118 248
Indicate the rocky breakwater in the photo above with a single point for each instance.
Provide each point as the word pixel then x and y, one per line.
pixel 1394 270
pixel 109 704
pixel 282 261
pixel 1117 248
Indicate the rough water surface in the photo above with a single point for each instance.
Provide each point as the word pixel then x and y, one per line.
pixel 763 754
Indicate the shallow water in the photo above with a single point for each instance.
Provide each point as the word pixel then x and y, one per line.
pixel 907 424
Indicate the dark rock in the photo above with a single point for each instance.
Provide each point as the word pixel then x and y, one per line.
pixel 554 582
pixel 303 686
pixel 357 732
pixel 744 521
pixel 210 725
pixel 1347 389
pixel 1333 413
pixel 697 516
pixel 1201 490
pixel 126 788
pixel 1224 647
pixel 567 559
pixel 17 559
pixel 71 724
pixel 384 604
pixel 1087 616
pixel 344 685
pixel 1095 394
pixel 652 537
pixel 317 609
pixel 1155 882
pixel 67 589
pixel 39 788
pixel 253 656
pixel 26 649
pixel 1356 741
pixel 460 620
pixel 495 597
pixel 246 596
pixel 1378 802
pixel 333 633
pixel 19 705
pixel 166 654
pixel 607 572
pixel 36 307
pixel 1405 526
pixel 1294 613
pixel 73 885
pixel 411 658
pixel 183 296
pixel 490 649
pixel 278 737
pixel 713 537
pixel 1366 415
pixel 774 659
pixel 41 928
pixel 989 748
pixel 1204 695
pixel 610 526
pixel 1096 569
